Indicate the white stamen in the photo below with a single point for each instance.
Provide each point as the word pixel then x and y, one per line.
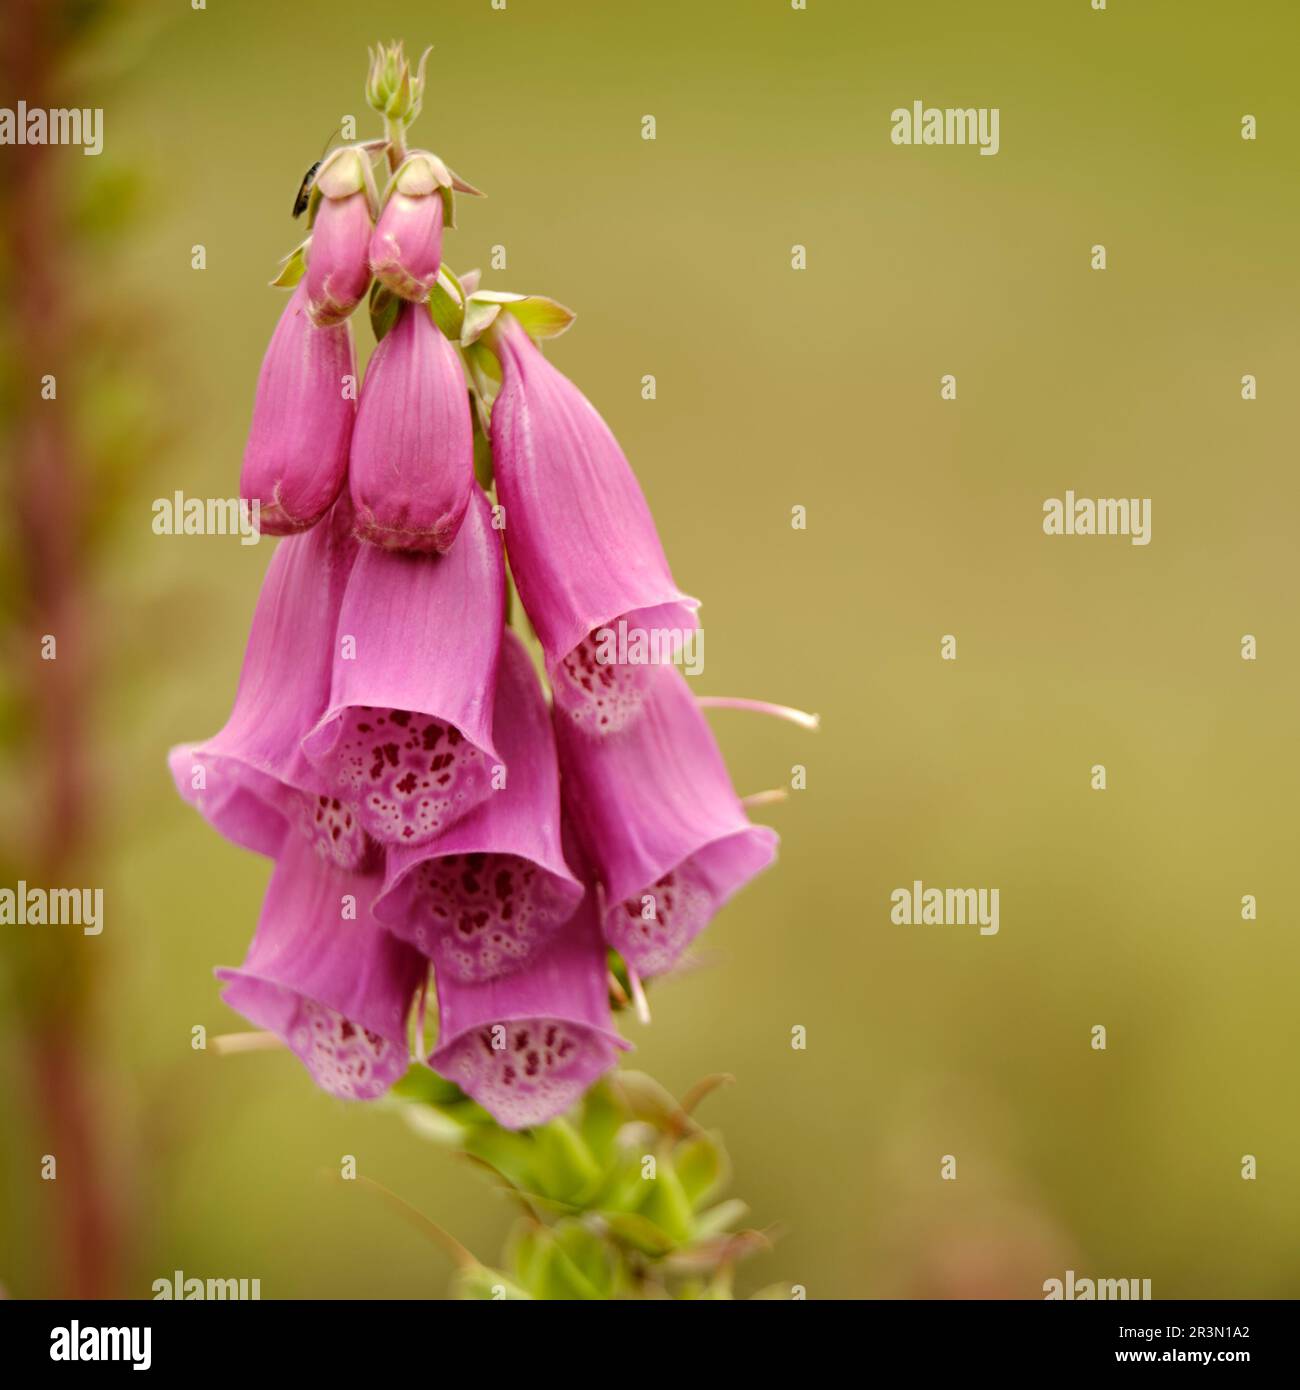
pixel 638 996
pixel 767 798
pixel 795 716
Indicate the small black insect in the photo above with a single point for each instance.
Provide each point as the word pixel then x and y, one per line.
pixel 303 196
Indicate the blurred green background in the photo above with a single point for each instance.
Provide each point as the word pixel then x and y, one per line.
pixel 775 387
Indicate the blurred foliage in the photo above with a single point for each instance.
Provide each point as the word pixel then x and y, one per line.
pixel 621 1198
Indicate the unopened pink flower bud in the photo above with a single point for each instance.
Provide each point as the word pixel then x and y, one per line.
pixel 297 453
pixel 412 465
pixel 406 248
pixel 338 269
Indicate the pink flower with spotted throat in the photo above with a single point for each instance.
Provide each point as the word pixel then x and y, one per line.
pixel 480 821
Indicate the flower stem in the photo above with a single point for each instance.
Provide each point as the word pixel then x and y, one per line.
pixel 395 133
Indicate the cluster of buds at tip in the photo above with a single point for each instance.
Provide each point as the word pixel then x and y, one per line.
pixel 410 455
pixel 391 88
pixel 391 746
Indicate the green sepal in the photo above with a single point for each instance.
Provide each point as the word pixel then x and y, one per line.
pixel 545 1268
pixel 484 471
pixel 701 1167
pixel 447 305
pixel 590 1254
pixel 484 370
pixel 564 1168
pixel 539 316
pixel 719 1219
pixel 384 305
pixel 667 1205
pixel 647 1100
pixel 479 313
pixel 602 1118
pixel 639 1232
pixel 292 268
pixel 424 1085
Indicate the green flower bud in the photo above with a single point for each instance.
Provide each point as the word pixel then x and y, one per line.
pixel 391 87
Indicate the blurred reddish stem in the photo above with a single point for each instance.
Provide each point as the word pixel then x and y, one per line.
pixel 48 501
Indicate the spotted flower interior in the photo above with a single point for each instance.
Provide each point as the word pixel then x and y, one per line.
pixel 334 830
pixel 527 1070
pixel 600 697
pixel 652 929
pixel 483 915
pixel 409 775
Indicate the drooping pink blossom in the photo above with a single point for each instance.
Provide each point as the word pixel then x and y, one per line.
pixel 583 546
pixel 407 738
pixel 528 1044
pixel 324 977
pixel 251 781
pixel 296 458
pixel 412 463
pixel 659 818
pixel 483 897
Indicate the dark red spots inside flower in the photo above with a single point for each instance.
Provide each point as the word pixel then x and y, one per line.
pixel 489 912
pixel 654 927
pixel 409 775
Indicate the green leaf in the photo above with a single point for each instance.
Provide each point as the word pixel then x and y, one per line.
pixel 701 1165
pixel 509 1152
pixel 591 1254
pixel 547 1270
pixel 602 1117
pixel 639 1232
pixel 292 268
pixel 668 1205
pixel 563 1165
pixel 384 305
pixel 447 305
pixel 542 317
pixel 647 1100
pixel 423 1084
pixel 718 1219
pixel 479 314
pixel 483 468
